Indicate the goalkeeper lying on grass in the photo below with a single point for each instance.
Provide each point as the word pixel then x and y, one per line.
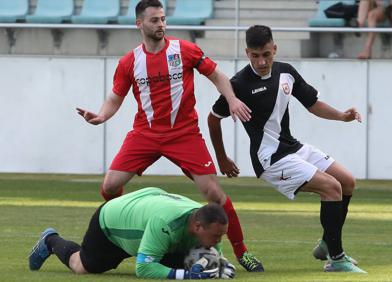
pixel 156 227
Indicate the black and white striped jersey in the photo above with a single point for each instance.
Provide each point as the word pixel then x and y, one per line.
pixel 268 98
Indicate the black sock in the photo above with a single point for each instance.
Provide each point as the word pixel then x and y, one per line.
pixel 331 218
pixel 345 202
pixel 63 249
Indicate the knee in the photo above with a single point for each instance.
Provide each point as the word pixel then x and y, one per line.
pixel 212 192
pixel 348 185
pixel 108 186
pixel 332 190
pixel 372 18
pixel 75 264
pixel 215 194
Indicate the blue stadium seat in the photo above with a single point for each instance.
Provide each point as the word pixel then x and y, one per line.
pixel 12 11
pixel 191 12
pixel 98 12
pixel 320 19
pixel 50 11
pixel 130 17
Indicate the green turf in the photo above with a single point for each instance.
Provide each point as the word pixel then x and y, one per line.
pixel 280 232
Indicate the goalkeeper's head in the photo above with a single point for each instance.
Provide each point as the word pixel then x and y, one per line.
pixel 209 223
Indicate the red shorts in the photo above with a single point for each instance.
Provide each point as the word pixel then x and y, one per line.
pixel 188 151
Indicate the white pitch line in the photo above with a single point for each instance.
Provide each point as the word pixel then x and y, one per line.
pixel 377 243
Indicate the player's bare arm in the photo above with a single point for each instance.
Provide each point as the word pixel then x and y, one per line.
pixel 226 165
pixel 323 110
pixel 108 109
pixel 237 107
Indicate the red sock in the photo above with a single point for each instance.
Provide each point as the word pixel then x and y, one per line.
pixel 234 233
pixel 108 197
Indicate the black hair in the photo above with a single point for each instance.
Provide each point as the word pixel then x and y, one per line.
pixel 144 4
pixel 211 213
pixel 257 36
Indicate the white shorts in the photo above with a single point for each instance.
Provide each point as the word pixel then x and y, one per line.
pixel 293 171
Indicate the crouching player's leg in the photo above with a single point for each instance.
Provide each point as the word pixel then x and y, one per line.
pixel 50 242
pixel 304 172
pixel 347 182
pixel 96 254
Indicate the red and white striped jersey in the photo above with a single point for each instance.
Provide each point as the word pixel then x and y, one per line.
pixel 163 86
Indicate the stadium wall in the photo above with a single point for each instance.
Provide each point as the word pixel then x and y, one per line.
pixel 42 133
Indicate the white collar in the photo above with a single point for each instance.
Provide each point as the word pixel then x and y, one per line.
pixel 263 77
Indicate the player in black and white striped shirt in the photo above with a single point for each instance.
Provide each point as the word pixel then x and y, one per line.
pixel 266 87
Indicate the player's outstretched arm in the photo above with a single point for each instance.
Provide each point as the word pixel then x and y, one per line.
pixel 226 165
pixel 223 85
pixel 108 109
pixel 325 111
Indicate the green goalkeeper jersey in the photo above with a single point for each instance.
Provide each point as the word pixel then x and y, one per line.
pixel 149 223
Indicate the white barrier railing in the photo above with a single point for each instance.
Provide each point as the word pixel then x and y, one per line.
pixel 199 27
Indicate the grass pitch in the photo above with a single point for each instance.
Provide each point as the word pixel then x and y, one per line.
pixel 280 232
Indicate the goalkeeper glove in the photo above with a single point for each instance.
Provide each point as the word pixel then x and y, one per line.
pixel 197 271
pixel 226 269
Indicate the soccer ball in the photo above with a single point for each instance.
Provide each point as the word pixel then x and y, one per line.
pixel 197 253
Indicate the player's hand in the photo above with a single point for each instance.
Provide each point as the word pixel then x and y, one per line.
pixel 90 117
pixel 351 114
pixel 228 168
pixel 239 109
pixel 198 271
pixel 226 269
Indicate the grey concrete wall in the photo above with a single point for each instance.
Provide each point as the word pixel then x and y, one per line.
pixel 41 132
pixel 73 42
pixel 380 123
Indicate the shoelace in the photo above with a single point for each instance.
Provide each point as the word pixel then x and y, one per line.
pixel 41 252
pixel 249 261
pixel 35 248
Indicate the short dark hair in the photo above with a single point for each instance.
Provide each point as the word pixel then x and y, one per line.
pixel 211 213
pixel 144 4
pixel 257 36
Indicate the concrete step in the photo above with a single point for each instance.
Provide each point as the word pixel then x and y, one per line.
pixel 272 22
pixel 40 41
pixel 225 48
pixel 264 13
pixel 268 4
pixel 277 35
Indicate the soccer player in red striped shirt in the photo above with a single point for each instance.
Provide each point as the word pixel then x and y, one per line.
pixel 160 73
